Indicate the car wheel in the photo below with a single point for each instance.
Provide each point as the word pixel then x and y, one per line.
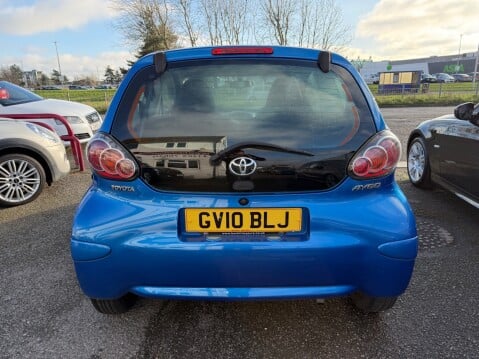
pixel 418 167
pixel 114 306
pixel 22 179
pixel 370 304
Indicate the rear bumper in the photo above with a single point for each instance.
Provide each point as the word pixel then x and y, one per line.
pixel 320 267
pixel 363 241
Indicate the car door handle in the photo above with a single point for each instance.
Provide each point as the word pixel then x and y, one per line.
pixel 437 146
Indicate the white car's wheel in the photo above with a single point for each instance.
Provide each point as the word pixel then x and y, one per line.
pixel 22 179
pixel 418 167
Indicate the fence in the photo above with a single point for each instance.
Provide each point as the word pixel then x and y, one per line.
pixel 427 94
pixel 433 89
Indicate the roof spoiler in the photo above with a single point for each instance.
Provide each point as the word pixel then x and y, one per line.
pixel 324 60
pixel 160 62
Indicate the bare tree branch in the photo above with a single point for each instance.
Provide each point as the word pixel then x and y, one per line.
pixel 186 10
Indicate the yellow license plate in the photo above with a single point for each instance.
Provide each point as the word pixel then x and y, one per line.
pixel 243 220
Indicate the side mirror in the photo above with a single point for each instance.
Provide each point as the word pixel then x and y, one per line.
pixel 464 111
pixel 4 95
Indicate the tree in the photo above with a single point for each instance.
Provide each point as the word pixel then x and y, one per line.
pixel 118 76
pixel 58 78
pixel 185 9
pixel 321 25
pixel 109 75
pixel 306 23
pixel 13 74
pixel 146 25
pixel 278 17
pixel 43 80
pixel 152 25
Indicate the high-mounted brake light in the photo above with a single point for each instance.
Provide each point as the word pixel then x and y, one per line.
pixel 378 157
pixel 242 50
pixel 108 159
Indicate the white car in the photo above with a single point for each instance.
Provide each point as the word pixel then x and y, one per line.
pixel 83 119
pixel 372 79
pixel 30 157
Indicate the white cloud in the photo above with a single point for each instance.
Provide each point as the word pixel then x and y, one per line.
pixel 402 29
pixel 51 15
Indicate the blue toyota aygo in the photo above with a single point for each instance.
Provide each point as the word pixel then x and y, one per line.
pixel 243 173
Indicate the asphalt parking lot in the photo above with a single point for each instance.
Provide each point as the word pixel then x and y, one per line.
pixel 43 313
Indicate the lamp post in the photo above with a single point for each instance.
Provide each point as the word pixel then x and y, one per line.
pixel 459 53
pixel 475 66
pixel 58 60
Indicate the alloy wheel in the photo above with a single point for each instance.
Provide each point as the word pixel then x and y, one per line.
pixel 416 161
pixel 20 180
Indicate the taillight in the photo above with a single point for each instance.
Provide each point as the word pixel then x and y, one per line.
pixel 109 159
pixel 378 157
pixel 242 50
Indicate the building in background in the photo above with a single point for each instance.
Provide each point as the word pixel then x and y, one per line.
pixel 451 64
pixel 31 78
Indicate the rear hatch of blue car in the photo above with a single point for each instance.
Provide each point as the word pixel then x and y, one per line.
pixel 233 124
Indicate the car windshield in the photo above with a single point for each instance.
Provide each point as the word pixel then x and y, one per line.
pixel 175 123
pixel 13 95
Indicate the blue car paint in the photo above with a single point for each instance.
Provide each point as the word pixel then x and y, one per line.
pixel 142 234
pixel 131 241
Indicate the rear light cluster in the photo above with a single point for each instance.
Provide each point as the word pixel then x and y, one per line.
pixel 378 157
pixel 110 160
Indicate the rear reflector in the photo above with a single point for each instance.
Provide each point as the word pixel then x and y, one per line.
pixel 242 50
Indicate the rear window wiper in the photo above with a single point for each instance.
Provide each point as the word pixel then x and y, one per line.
pixel 224 154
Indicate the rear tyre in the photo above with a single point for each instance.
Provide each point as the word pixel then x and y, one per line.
pixel 22 179
pixel 418 166
pixel 369 304
pixel 114 306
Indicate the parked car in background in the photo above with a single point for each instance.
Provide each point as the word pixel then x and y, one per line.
pixel 103 87
pixel 49 87
pixel 78 87
pixel 428 78
pixel 83 119
pixel 372 79
pixel 462 77
pixel 30 157
pixel 474 74
pixel 202 192
pixel 443 77
pixel 445 150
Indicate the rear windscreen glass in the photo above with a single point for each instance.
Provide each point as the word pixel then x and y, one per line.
pixel 174 122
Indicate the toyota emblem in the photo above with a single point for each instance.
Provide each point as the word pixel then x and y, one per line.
pixel 242 166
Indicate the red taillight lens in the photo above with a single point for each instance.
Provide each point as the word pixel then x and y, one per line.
pixel 109 159
pixel 242 50
pixel 95 148
pixel 392 149
pixel 125 168
pixel 378 157
pixel 361 166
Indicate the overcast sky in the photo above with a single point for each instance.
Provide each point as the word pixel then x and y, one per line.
pixel 87 41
